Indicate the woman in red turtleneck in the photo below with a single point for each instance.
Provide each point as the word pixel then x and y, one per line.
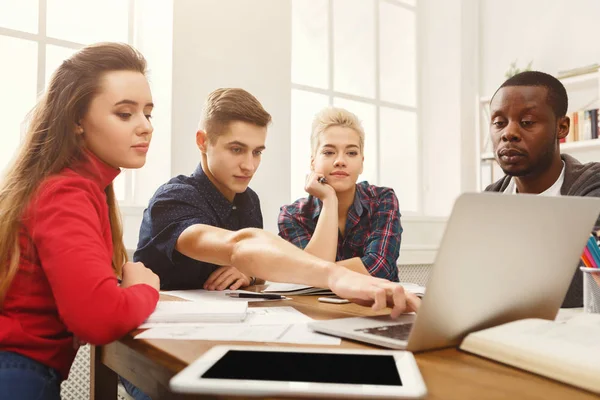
pixel 61 247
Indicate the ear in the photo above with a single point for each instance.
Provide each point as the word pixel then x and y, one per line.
pixel 362 165
pixel 78 129
pixel 202 140
pixel 563 125
pixel 312 163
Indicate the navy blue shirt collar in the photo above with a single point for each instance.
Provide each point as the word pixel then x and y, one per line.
pixel 221 205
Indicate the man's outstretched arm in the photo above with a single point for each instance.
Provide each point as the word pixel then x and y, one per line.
pixel 256 252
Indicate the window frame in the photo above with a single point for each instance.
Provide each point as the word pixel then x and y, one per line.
pixel 42 40
pixel 376 101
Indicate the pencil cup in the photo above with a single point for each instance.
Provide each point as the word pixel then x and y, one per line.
pixel 591 290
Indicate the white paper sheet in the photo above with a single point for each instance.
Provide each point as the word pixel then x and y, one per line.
pixel 292 333
pixel 565 314
pixel 262 324
pixel 254 316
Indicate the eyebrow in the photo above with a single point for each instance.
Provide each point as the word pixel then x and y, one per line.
pixel 238 143
pixel 349 146
pixel 133 103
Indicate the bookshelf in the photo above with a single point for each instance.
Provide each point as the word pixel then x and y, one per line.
pixel 584 94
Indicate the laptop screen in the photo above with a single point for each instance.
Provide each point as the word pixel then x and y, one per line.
pixel 306 367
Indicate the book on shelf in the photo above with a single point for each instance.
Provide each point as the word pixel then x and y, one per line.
pixel 567 351
pixel 584 126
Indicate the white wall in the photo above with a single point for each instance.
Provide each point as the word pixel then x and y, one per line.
pixel 555 34
pixel 234 43
pixel 420 239
pixel 448 87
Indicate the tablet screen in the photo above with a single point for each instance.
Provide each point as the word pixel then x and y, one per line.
pixel 358 369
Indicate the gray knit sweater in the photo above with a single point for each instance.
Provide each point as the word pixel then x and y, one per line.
pixel 580 180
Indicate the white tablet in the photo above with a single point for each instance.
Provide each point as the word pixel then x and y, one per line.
pixel 294 371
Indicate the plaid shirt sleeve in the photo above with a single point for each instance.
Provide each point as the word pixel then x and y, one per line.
pixel 293 226
pixel 383 245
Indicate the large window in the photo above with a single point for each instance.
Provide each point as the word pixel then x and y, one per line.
pixel 37 35
pixel 359 55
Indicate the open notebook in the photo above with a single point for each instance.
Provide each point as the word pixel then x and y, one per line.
pixel 189 311
pixel 292 289
pixel 568 351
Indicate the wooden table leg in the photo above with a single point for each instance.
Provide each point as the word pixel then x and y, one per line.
pixel 103 380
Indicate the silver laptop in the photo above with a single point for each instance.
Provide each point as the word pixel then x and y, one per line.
pixel 502 258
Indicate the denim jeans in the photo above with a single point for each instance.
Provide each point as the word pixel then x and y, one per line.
pixel 133 391
pixel 25 379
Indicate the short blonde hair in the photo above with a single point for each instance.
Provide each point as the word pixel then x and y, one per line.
pixel 334 116
pixel 227 105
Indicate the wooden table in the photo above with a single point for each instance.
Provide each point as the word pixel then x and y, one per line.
pixel 448 373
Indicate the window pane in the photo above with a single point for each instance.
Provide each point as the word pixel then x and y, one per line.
pixel 310 55
pixel 18 80
pixel 88 21
pixel 398 149
pixel 366 114
pixel 354 47
pixel 408 2
pixel 397 54
pixel 304 107
pixel 21 15
pixel 55 55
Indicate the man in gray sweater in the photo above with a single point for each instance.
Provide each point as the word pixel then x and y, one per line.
pixel 528 119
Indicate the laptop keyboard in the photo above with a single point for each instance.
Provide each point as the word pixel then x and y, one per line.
pixel 399 331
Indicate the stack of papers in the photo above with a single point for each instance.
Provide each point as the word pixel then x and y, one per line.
pixel 211 295
pixel 292 289
pixel 290 333
pixel 262 324
pixel 195 312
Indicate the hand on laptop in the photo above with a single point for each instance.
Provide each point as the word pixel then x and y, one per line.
pixel 374 292
pixel 226 277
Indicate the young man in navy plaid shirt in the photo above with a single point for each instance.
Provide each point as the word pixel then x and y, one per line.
pixel 355 224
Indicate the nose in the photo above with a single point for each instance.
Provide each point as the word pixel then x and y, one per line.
pixel 512 132
pixel 144 127
pixel 340 161
pixel 247 164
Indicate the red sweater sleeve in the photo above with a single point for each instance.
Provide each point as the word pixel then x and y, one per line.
pixel 69 234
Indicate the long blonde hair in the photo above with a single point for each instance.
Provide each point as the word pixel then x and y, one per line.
pixel 51 145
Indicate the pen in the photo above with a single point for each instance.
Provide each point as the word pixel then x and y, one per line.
pixel 266 296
